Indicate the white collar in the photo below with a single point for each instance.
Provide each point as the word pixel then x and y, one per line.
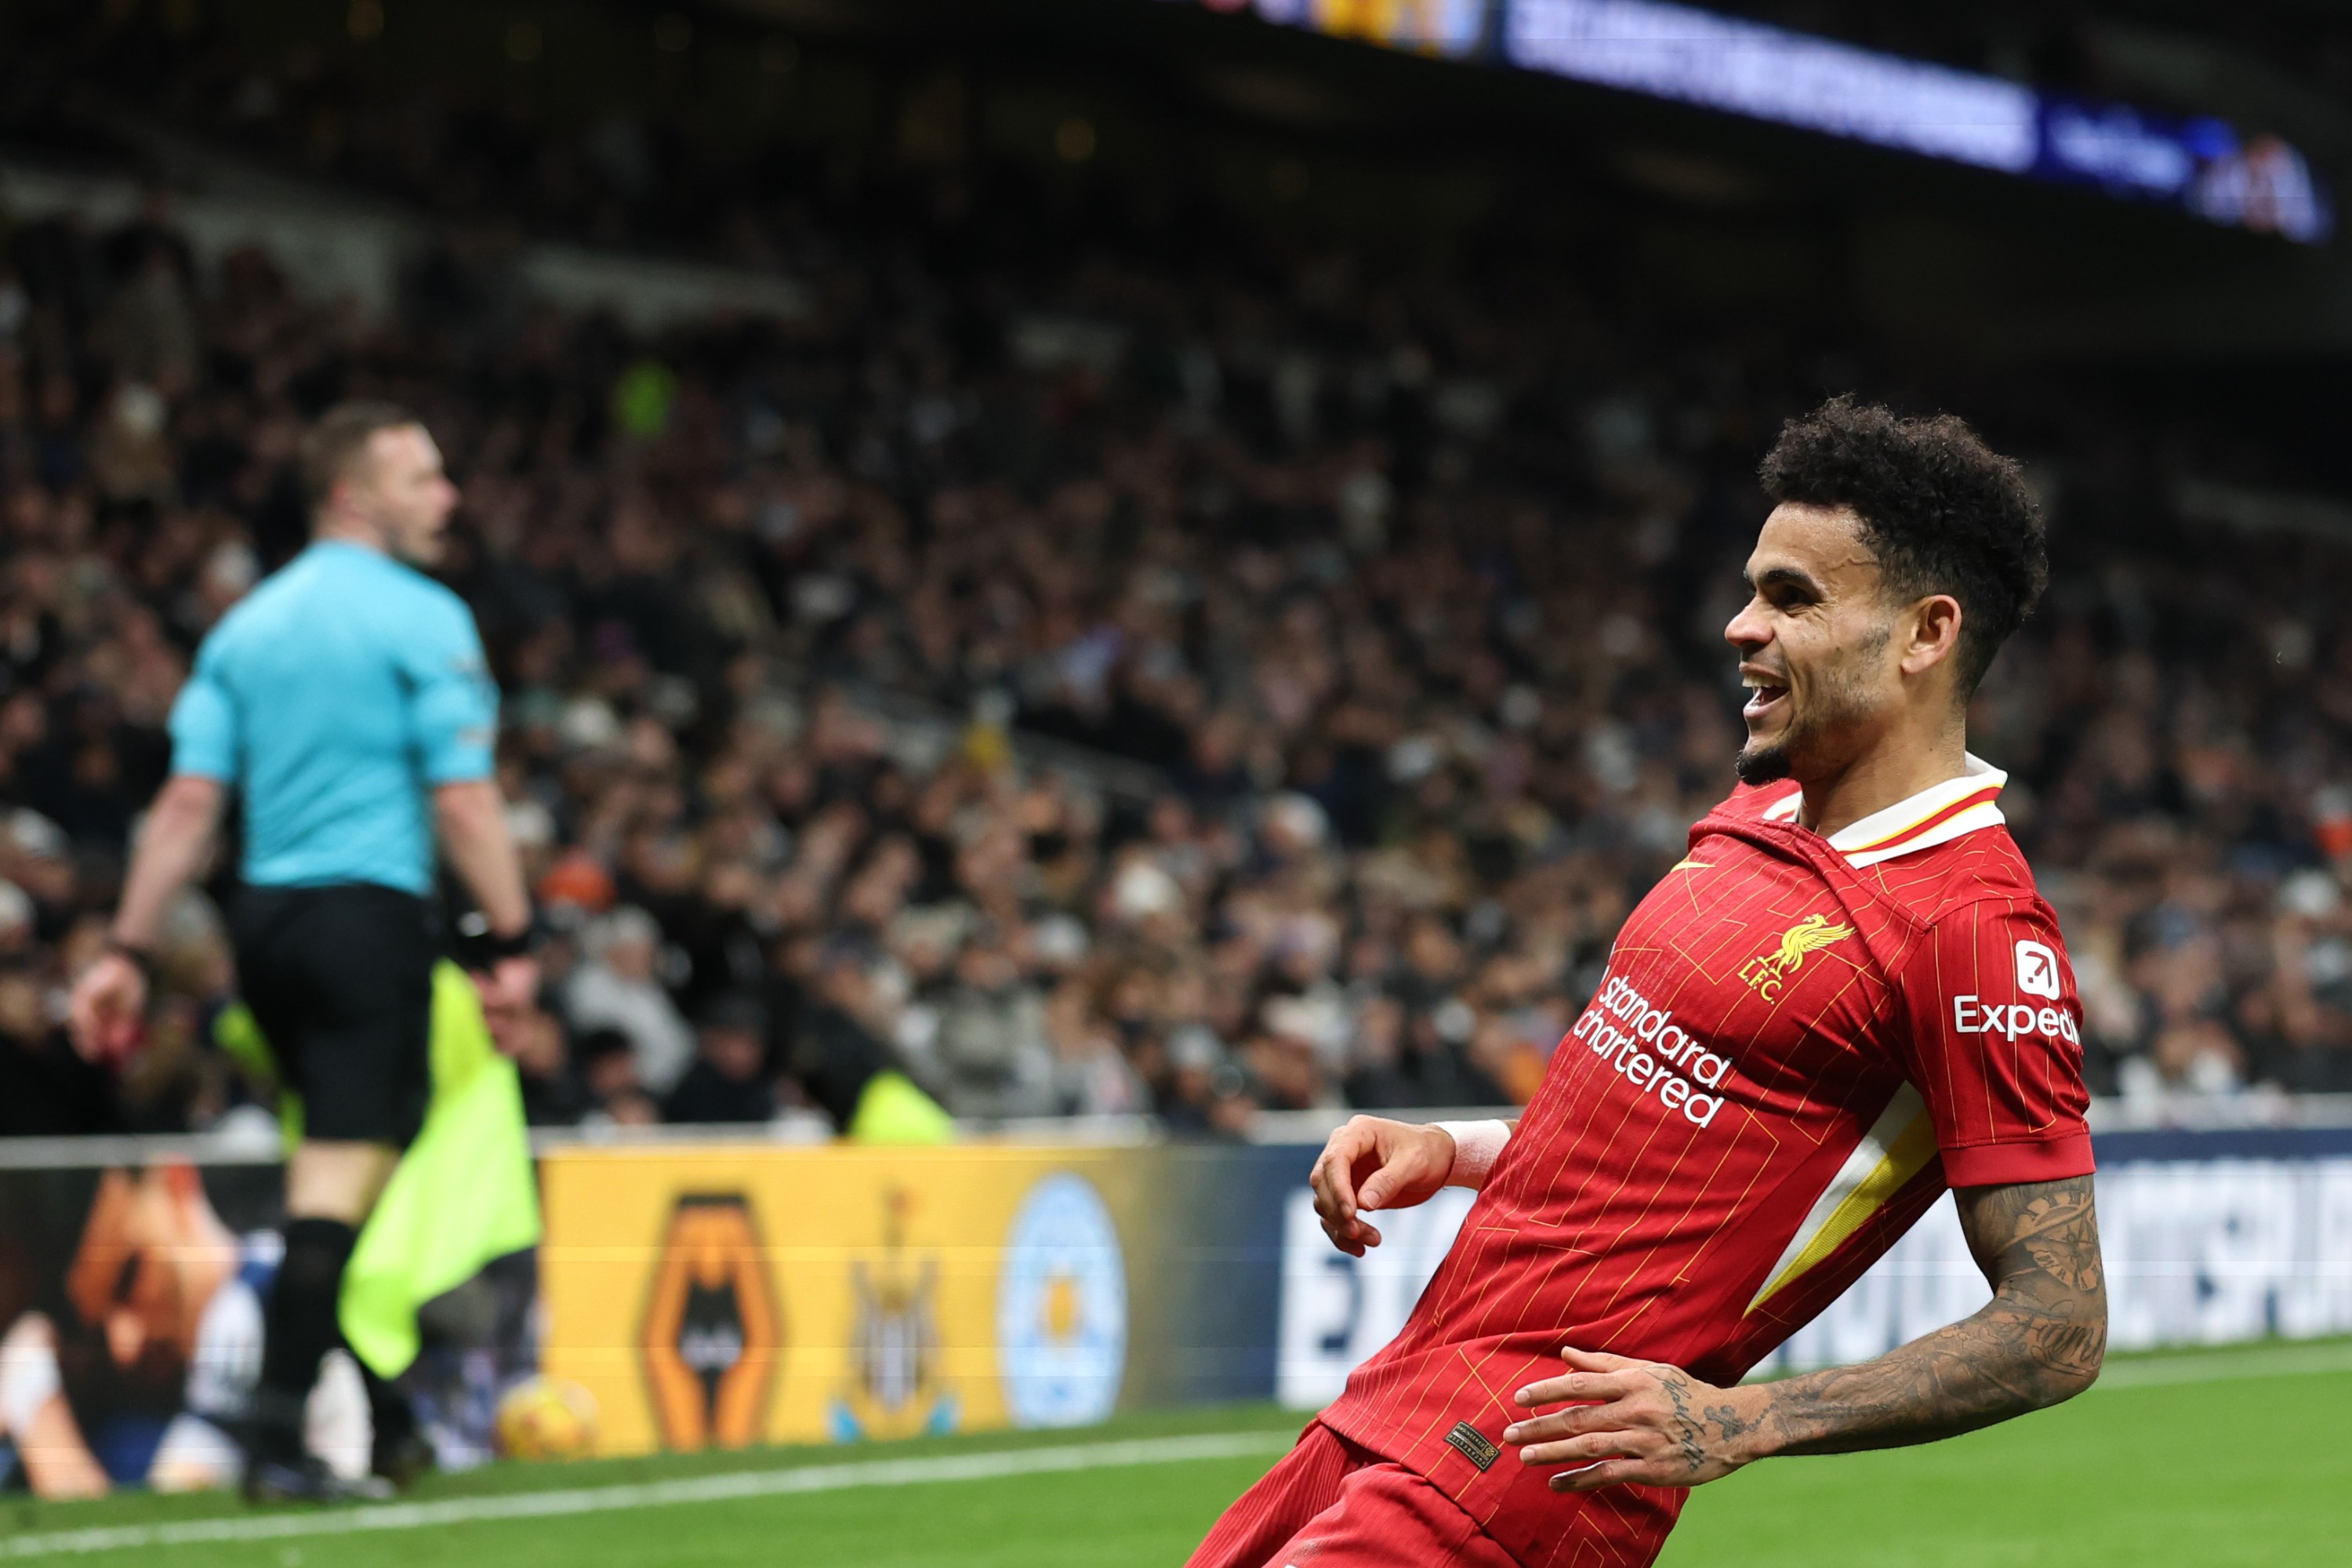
pixel 1937 815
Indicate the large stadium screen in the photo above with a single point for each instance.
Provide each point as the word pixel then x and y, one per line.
pixel 2202 166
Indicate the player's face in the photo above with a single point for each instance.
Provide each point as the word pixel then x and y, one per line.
pixel 152 1253
pixel 405 491
pixel 1814 646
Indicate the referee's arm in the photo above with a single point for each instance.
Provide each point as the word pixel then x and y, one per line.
pixel 111 1000
pixel 472 818
pixel 455 717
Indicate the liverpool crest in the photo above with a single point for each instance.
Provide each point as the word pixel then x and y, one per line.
pixel 1770 970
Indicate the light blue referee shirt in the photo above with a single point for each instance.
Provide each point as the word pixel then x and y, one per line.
pixel 333 698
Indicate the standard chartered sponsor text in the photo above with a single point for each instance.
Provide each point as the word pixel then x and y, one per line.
pixel 1656 1055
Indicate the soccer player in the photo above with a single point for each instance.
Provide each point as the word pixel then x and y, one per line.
pixel 1847 998
pixel 346 701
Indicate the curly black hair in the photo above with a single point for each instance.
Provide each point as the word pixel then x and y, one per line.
pixel 1944 513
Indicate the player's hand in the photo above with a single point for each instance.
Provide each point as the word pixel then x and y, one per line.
pixel 108 1009
pixel 1372 1164
pixel 509 989
pixel 1640 1421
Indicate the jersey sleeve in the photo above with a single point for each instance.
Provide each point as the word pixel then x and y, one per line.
pixel 1995 1045
pixel 454 704
pixel 203 723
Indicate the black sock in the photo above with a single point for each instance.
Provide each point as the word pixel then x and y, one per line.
pixel 389 1412
pixel 299 1331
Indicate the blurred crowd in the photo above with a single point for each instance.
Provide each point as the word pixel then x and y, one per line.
pixel 475 148
pixel 1188 681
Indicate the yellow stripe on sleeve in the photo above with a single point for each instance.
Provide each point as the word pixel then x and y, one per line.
pixel 1897 1148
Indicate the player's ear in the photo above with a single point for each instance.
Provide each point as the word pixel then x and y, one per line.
pixel 1933 625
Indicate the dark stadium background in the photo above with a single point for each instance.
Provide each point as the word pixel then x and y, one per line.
pixel 1162 573
pixel 1330 464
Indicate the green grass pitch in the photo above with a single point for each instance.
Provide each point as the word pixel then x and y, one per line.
pixel 2209 1461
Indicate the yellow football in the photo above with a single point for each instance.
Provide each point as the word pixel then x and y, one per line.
pixel 547 1419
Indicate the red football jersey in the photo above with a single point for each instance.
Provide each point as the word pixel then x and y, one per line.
pixel 1801 1041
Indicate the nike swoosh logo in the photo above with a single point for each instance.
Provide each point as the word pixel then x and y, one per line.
pixel 1687 864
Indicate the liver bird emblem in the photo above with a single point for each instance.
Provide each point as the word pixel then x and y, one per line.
pixel 1768 972
pixel 1808 935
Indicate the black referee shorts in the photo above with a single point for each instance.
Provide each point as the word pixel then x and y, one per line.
pixel 341 980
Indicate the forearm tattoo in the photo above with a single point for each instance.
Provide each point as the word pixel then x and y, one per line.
pixel 1688 1433
pixel 2037 1341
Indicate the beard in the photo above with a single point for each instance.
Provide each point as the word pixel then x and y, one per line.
pixel 1839 703
pixel 1762 762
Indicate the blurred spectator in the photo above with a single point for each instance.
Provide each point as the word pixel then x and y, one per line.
pixel 608 1072
pixel 728 1080
pixel 1277 706
pixel 840 1046
pixel 616 989
pixel 46 1088
pixel 552 1093
pixel 992 1059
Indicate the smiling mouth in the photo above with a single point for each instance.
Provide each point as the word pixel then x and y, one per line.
pixel 1763 695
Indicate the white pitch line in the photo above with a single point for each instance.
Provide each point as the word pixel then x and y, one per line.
pixel 725 1487
pixel 2220 1366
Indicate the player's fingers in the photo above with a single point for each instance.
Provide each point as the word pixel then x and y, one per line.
pixel 1598 1360
pixel 1606 1473
pixel 1330 1205
pixel 1334 1173
pixel 1574 1421
pixel 1350 1235
pixel 1320 1178
pixel 1582 1386
pixel 1549 1428
pixel 1583 1448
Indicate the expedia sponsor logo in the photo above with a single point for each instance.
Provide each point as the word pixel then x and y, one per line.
pixel 2014 1020
pixel 2037 970
pixel 711 1330
pixel 1768 972
pixel 1656 1055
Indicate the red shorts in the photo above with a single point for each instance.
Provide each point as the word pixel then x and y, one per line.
pixel 1337 1504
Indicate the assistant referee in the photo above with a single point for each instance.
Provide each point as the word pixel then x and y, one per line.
pixel 347 703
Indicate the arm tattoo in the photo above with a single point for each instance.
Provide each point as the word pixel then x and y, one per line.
pixel 1676 1386
pixel 1728 1421
pixel 2037 1341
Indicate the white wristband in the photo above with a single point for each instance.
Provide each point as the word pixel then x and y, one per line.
pixel 1476 1145
pixel 29 1375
